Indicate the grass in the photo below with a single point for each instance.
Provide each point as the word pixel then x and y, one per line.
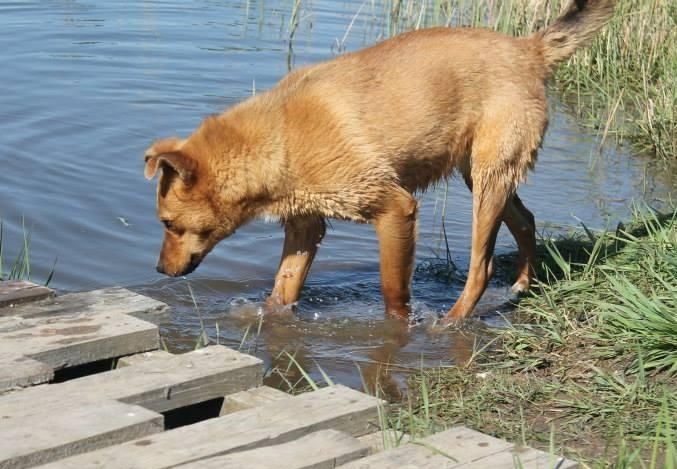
pixel 20 268
pixel 589 361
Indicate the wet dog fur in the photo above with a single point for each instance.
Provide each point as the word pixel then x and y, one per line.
pixel 355 137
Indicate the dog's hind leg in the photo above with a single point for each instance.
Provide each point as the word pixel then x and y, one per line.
pixel 396 230
pixel 520 222
pixel 491 193
pixel 302 237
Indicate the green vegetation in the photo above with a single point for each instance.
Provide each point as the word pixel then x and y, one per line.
pixel 20 268
pixel 589 361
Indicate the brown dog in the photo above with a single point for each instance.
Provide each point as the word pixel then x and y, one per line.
pixel 353 138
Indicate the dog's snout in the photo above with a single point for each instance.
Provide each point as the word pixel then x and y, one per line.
pixel 160 268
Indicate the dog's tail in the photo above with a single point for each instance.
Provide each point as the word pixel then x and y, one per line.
pixel 577 25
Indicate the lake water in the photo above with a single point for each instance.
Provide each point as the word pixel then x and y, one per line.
pixel 88 85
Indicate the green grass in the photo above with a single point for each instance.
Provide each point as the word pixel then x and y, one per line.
pixel 20 267
pixel 589 362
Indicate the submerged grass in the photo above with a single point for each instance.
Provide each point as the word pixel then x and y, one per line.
pixel 590 361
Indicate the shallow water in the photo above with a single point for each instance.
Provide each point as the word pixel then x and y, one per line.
pixel 87 86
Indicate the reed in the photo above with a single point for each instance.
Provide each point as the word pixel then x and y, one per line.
pixel 20 267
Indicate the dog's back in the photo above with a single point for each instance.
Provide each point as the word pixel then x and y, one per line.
pixel 412 108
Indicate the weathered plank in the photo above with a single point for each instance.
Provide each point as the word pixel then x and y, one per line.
pixel 19 371
pixel 142 357
pixel 73 429
pixel 66 342
pixel 16 292
pixel 71 330
pixel 445 450
pixel 384 439
pixel 107 300
pixel 523 458
pixel 324 449
pixel 251 398
pixel 159 385
pixel 275 423
pixel 456 448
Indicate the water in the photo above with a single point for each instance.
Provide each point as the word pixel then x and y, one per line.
pixel 88 85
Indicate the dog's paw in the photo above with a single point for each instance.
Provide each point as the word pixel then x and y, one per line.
pixel 445 324
pixel 520 287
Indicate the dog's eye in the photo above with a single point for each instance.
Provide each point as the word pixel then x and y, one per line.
pixel 168 224
pixel 204 234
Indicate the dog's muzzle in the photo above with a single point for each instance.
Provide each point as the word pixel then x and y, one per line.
pixel 195 260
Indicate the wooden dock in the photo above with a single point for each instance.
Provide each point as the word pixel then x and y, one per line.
pixel 83 385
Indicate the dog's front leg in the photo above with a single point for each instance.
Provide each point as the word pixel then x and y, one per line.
pixel 396 230
pixel 302 237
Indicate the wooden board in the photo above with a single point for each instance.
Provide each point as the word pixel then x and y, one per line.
pixel 275 423
pixel 71 341
pixel 324 449
pixel 143 357
pixel 107 300
pixel 175 381
pixel 251 398
pixel 458 448
pixel 16 292
pixel 71 330
pixel 382 440
pixel 72 429
pixel 19 371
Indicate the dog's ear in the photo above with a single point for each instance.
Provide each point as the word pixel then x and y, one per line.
pixel 168 153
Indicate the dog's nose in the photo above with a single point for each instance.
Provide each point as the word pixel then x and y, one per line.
pixel 160 268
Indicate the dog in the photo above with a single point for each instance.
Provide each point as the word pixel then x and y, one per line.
pixel 355 137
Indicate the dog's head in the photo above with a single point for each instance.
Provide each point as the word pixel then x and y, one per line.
pixel 187 206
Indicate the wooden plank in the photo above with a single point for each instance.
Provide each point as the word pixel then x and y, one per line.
pixel 275 423
pixel 449 449
pixel 479 451
pixel 66 342
pixel 143 357
pixel 384 439
pixel 15 292
pixel 108 300
pixel 251 398
pixel 19 371
pixel 526 458
pixel 324 449
pixel 73 429
pixel 74 329
pixel 162 385
pixel 458 448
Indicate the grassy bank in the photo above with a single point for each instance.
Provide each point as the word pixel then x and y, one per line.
pixel 624 84
pixel 590 361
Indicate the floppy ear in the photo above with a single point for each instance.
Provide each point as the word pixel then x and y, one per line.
pixel 168 152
